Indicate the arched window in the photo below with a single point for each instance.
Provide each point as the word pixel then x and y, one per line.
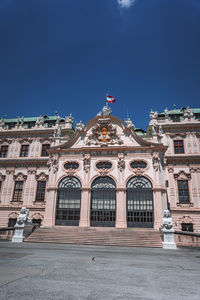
pixel 103 202
pixel 139 198
pixel 68 201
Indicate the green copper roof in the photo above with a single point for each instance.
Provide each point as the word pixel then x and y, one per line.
pixel 180 111
pixel 32 119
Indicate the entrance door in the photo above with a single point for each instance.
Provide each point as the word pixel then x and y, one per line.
pixel 139 198
pixel 103 202
pixel 68 202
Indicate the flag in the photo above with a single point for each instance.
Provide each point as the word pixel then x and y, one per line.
pixel 110 99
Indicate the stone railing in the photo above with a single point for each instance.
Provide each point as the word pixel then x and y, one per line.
pixel 187 239
pixel 6 233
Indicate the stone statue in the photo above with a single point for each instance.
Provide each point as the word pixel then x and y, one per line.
pixel 39 121
pixel 167 223
pixel 106 111
pixel 23 217
pixel 160 130
pixel 2 122
pixel 57 132
pixel 79 126
pixel 69 119
pixel 129 123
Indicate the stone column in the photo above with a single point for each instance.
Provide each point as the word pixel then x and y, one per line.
pixel 50 209
pixel 121 221
pixel 85 207
pixel 158 210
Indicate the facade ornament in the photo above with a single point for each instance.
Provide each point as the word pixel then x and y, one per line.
pixel 166 112
pixel 182 175
pixel 103 172
pixel 121 162
pixel 42 177
pixel 86 162
pixel 52 163
pixel 79 126
pixel 39 121
pixel 129 123
pixel 160 130
pixel 188 113
pixel 57 133
pixel 104 134
pixel 153 115
pixel 168 231
pixel 20 177
pixel 2 177
pixel 58 119
pixel 156 161
pixel 69 121
pixel 138 171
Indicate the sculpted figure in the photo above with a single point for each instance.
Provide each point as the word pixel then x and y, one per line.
pixel 129 123
pixel 23 216
pixel 79 126
pixel 167 220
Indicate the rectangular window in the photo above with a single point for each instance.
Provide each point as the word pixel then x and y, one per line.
pixel 178 146
pixel 183 191
pixel 45 148
pixel 24 151
pixel 4 151
pixel 187 227
pixel 17 195
pixel 40 194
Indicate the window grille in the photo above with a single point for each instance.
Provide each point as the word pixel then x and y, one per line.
pixel 17 195
pixel 40 193
pixel 138 164
pixel 187 227
pixel 104 165
pixel 183 191
pixel 4 151
pixel 45 148
pixel 178 147
pixel 24 150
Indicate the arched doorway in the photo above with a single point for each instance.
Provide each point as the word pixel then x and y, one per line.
pixel 139 199
pixel 103 202
pixel 68 201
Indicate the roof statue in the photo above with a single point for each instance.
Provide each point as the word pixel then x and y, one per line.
pixel 79 126
pixel 129 123
pixel 106 111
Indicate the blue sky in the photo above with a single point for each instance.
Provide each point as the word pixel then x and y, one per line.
pixel 65 55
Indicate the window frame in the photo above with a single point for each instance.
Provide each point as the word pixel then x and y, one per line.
pixel 1 152
pixel 18 191
pixel 183 190
pixel 40 191
pixel 179 149
pixel 24 153
pixel 44 150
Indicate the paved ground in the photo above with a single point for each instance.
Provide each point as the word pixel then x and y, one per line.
pixel 49 271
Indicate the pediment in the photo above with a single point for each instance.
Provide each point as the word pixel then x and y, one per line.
pixel 105 131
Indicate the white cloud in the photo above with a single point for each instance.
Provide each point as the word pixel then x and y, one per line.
pixel 125 3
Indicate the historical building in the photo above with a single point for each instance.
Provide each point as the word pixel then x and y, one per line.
pixel 106 173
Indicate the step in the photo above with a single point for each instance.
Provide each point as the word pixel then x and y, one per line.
pixel 130 237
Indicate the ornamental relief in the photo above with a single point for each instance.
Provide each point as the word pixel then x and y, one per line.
pixel 19 177
pixel 104 134
pixel 182 175
pixel 2 177
pixel 42 177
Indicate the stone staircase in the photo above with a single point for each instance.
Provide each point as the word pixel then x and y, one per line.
pixel 105 236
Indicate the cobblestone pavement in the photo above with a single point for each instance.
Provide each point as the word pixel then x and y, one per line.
pixel 50 271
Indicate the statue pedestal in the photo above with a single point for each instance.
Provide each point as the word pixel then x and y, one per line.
pixel 168 239
pixel 18 236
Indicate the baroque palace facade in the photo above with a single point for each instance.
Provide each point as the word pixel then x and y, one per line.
pixel 106 173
